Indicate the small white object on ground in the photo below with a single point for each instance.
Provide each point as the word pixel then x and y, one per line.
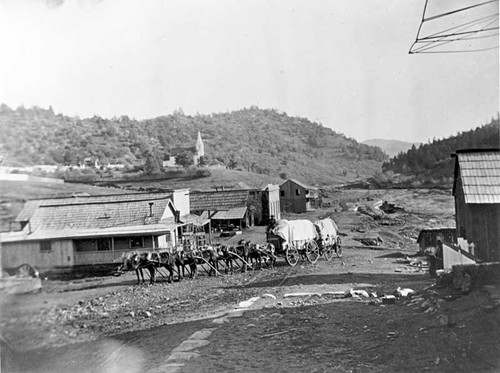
pixel 268 296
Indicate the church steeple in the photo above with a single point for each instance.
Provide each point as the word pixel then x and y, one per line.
pixel 200 148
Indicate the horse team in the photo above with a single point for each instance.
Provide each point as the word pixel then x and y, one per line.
pixel 245 254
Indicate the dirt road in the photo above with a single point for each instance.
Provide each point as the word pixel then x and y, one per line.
pixel 278 320
pixel 192 326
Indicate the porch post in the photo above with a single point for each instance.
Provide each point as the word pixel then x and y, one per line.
pixel 209 229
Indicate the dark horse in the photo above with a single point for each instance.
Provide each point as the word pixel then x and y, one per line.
pixel 231 254
pixel 187 258
pixel 134 261
pixel 210 255
pixel 166 260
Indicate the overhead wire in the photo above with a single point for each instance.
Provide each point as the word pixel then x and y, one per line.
pixel 438 34
pixel 458 10
pixel 465 37
pixel 444 41
pixel 471 23
pixel 440 38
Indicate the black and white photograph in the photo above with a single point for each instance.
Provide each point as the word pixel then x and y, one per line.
pixel 246 186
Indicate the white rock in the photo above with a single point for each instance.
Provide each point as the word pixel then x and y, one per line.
pixel 404 292
pixel 268 296
pixel 299 295
pixel 361 293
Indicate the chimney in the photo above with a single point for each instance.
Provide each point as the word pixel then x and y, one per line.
pixel 180 198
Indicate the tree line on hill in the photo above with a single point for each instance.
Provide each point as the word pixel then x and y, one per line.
pixel 431 164
pixel 263 141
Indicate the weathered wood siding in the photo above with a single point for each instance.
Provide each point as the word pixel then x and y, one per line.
pixel 274 202
pixel 16 253
pixel 99 257
pixel 478 224
pixel 484 228
pixel 293 197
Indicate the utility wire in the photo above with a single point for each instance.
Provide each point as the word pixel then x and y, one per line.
pixel 460 51
pixel 443 42
pixel 438 39
pixel 458 10
pixel 441 37
pixel 427 47
pixel 439 34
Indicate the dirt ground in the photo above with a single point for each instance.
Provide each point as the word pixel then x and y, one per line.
pixel 108 324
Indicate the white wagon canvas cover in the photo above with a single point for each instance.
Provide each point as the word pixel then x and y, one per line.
pixel 295 230
pixel 328 230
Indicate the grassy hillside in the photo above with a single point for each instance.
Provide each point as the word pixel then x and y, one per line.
pixel 265 142
pixel 229 179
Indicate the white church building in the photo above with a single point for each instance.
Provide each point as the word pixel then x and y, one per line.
pixel 198 152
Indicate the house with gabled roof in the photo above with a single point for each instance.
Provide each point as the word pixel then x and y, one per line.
pixel 90 230
pixel 476 189
pixel 298 197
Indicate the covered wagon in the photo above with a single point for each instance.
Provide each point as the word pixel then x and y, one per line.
pixel 295 239
pixel 329 241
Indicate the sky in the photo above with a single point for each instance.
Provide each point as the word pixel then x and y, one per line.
pixel 344 64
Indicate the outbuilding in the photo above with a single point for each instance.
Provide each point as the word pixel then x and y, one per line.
pixel 428 237
pixel 298 197
pixel 476 188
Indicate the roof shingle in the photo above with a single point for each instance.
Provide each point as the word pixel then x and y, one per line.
pixel 217 201
pixel 480 175
pixel 234 213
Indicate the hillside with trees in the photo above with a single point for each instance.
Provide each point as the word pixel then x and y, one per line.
pixel 391 147
pixel 431 164
pixel 263 141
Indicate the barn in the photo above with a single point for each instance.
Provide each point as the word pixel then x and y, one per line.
pixel 476 189
pixel 298 197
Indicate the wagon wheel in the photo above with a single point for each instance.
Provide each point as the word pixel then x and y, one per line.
pixel 26 270
pixel 328 252
pixel 292 255
pixel 312 251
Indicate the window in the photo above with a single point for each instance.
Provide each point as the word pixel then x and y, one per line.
pixel 103 244
pixel 121 243
pixel 45 246
pixel 85 245
pixel 282 193
pixel 136 242
pixel 297 192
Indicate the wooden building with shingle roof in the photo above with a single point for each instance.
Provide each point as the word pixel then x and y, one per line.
pixel 89 230
pixel 476 188
pixel 239 208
